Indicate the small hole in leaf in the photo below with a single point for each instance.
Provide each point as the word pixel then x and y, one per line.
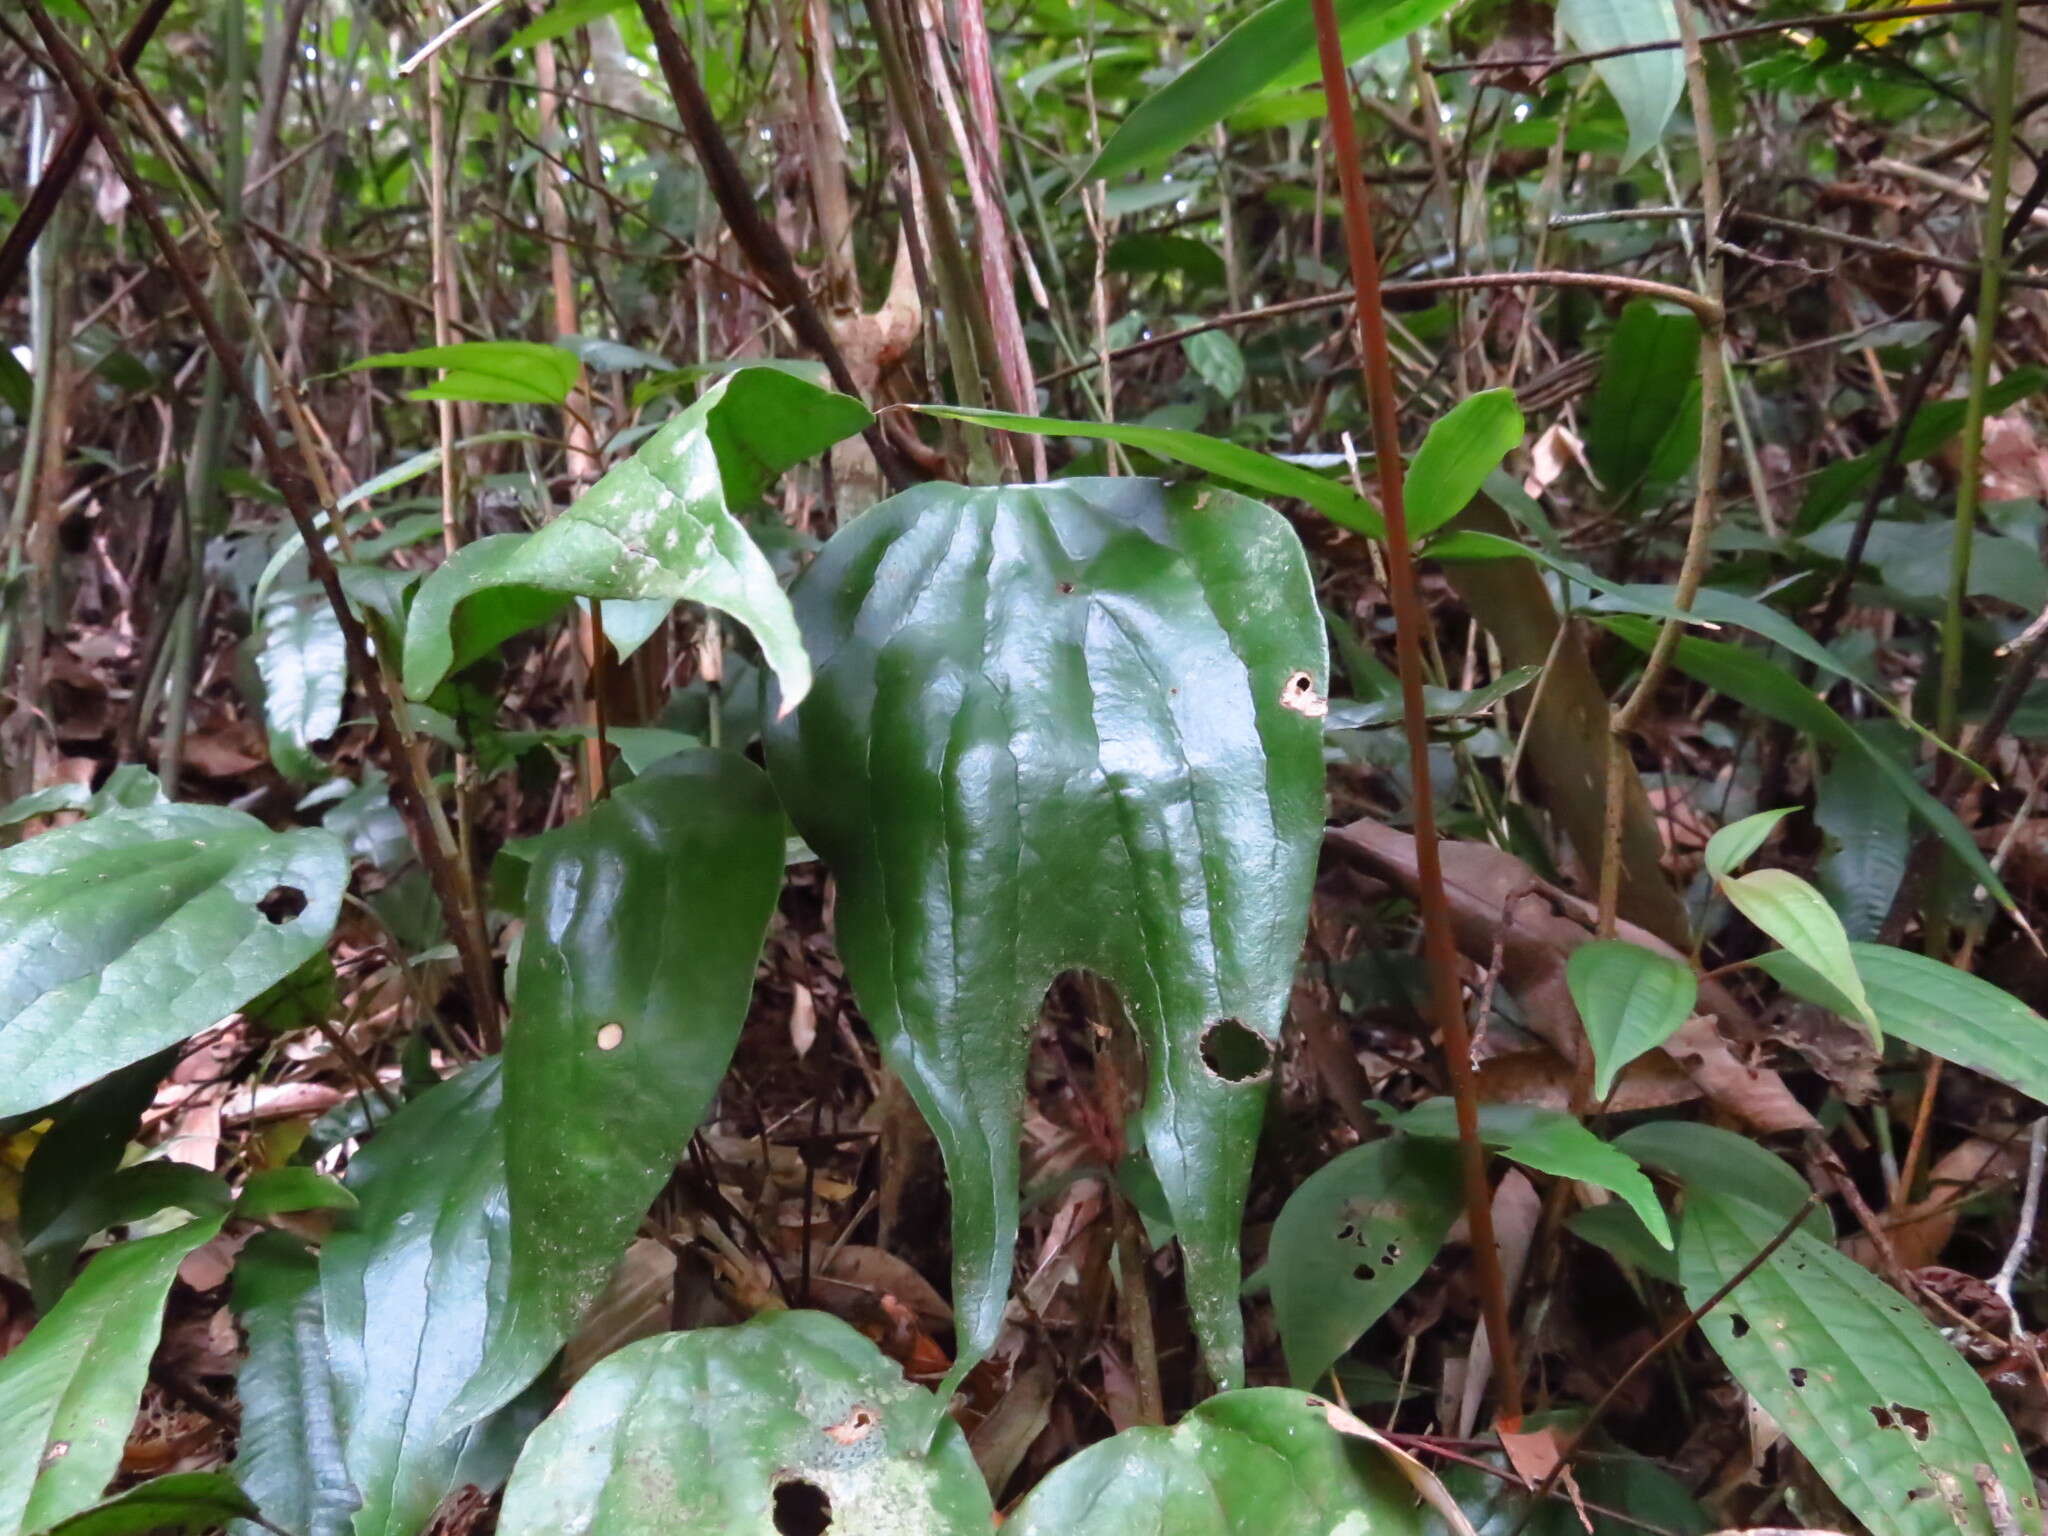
pixel 1363 1272
pixel 1883 1416
pixel 1914 1421
pixel 802 1509
pixel 610 1036
pixel 1918 1493
pixel 1234 1053
pixel 1798 1375
pixel 1066 589
pixel 853 1429
pixel 281 903
pixel 1738 1324
pixel 1347 1232
pixel 1391 1253
pixel 1299 694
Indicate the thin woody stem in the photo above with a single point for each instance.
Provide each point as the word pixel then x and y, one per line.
pixel 1439 945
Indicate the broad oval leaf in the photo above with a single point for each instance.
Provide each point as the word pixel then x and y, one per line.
pixel 68 1391
pixel 129 932
pixel 303 661
pixel 1723 1163
pixel 1799 917
pixel 1650 370
pixel 721 1429
pixel 1350 1241
pixel 493 372
pixel 1944 1011
pixel 1881 1404
pixel 1462 448
pixel 659 526
pixel 1631 1000
pixel 1646 86
pixel 1732 845
pixel 644 919
pixel 408 1283
pixel 182 1501
pixel 288 1455
pixel 1550 1141
pixel 1245 1463
pixel 1273 47
pixel 1066 727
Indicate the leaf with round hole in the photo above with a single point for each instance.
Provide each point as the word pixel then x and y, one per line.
pixel 1350 1241
pixel 790 1423
pixel 136 929
pixel 1068 727
pixel 644 919
pixel 1246 1463
pixel 1889 1414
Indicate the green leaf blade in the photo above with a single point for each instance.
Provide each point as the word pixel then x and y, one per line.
pixel 1631 1000
pixel 1461 450
pixel 1646 86
pixel 1798 917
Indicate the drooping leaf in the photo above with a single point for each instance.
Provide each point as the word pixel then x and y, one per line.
pixel 47 801
pixel 1630 999
pixel 303 661
pixel 409 1283
pixel 129 932
pixel 1646 86
pixel 68 1391
pixel 288 1456
pixel 1275 47
pixel 1869 838
pixel 493 372
pixel 128 1195
pixel 1462 449
pixel 644 919
pixel 1651 368
pixel 1245 1463
pixel 85 1147
pixel 1437 703
pixel 1227 461
pixel 1730 846
pixel 1881 1404
pixel 1950 1013
pixel 182 1501
pixel 744 1431
pixel 277 1191
pixel 659 526
pixel 1063 727
pixel 1723 1163
pixel 1350 1241
pixel 1550 1141
pixel 1798 917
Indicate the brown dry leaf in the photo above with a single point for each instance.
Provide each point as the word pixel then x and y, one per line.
pixel 1002 1439
pixel 1544 1079
pixel 1920 1230
pixel 876 1273
pixel 1420 1478
pixel 221 754
pixel 1551 455
pixel 1517 1212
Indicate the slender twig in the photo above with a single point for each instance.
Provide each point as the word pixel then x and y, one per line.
pixel 1439 943
pixel 447 35
pixel 408 779
pixel 2030 1213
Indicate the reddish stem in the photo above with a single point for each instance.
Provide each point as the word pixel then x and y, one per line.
pixel 1439 948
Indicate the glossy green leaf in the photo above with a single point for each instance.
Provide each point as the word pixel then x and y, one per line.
pixel 1950 1013
pixel 131 1194
pixel 1869 839
pixel 278 1191
pixel 1437 703
pixel 1649 372
pixel 47 801
pixel 183 1501
pixel 1882 1405
pixel 1227 461
pixel 68 1391
pixel 1630 999
pixel 80 1152
pixel 1462 448
pixel 123 934
pixel 493 372
pixel 1063 727
pixel 1274 47
pixel 288 1455
pixel 1646 86
pixel 1249 1463
pixel 1764 686
pixel 1725 1164
pixel 1350 1241
pixel 644 919
pixel 1799 917
pixel 659 526
pixel 409 1283
pixel 1550 1141
pixel 1731 846
pixel 303 660
pixel 725 1429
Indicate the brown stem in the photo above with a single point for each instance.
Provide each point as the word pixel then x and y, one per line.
pixel 408 781
pixel 1439 944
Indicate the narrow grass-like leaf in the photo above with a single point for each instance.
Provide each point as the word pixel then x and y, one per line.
pixel 491 372
pixel 1798 917
pixel 1462 448
pixel 1350 1241
pixel 790 1422
pixel 1631 1000
pixel 1881 1404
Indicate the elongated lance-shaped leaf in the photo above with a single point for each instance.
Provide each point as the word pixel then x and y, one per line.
pixel 660 525
pixel 1462 448
pixel 1647 85
pixel 409 1282
pixel 644 919
pixel 303 660
pixel 129 932
pixel 1881 1404
pixel 1064 727
pixel 288 1455
pixel 746 1432
pixel 1243 1464
pixel 182 1501
pixel 1350 1241
pixel 1799 917
pixel 68 1391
